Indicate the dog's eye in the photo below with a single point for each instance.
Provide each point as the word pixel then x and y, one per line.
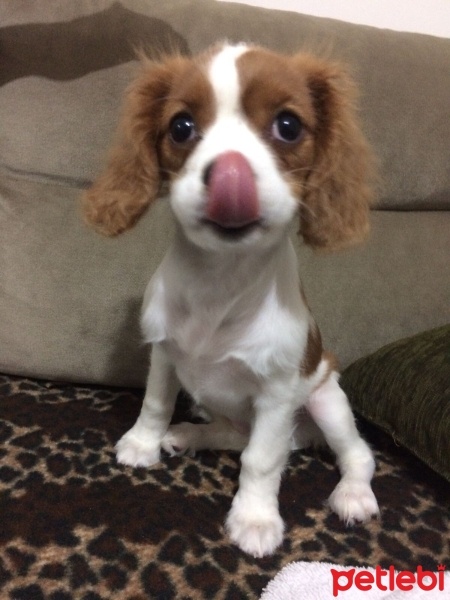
pixel 182 129
pixel 287 127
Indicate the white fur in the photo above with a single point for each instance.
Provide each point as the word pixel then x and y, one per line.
pixel 228 323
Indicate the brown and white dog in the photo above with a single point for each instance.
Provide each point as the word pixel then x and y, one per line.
pixel 245 139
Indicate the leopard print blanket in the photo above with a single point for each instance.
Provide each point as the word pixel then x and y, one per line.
pixel 75 524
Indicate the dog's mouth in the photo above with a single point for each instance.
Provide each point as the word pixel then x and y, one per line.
pixel 232 207
pixel 233 233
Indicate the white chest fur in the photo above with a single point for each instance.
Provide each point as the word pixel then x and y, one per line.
pixel 229 326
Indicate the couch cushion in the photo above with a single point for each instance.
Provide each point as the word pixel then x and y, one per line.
pixel 404 388
pixel 69 300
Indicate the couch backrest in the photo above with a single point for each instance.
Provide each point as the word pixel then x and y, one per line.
pixel 69 299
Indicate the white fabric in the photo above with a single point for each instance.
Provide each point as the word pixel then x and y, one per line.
pixel 314 581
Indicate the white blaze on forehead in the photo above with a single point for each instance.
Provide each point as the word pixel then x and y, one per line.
pixel 230 132
pixel 224 78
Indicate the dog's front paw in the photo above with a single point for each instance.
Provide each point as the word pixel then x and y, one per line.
pixel 257 530
pixel 353 501
pixel 137 452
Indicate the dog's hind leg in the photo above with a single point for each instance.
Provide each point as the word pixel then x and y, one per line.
pixel 353 498
pixel 307 433
pixel 220 434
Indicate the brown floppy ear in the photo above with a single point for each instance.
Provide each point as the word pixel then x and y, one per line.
pixel 131 180
pixel 338 191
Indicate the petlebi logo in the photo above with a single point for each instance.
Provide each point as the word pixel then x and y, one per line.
pixel 387 579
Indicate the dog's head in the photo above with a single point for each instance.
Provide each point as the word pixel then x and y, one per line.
pixel 245 138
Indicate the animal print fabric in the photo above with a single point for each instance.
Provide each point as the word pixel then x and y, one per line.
pixel 75 524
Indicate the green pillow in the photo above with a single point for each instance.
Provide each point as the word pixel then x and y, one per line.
pixel 404 388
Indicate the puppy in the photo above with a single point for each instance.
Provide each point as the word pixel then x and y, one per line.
pixel 244 139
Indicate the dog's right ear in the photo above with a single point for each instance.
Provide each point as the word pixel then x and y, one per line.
pixel 132 179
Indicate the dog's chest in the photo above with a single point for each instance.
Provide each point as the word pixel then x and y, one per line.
pixel 225 343
pixel 202 344
pixel 224 387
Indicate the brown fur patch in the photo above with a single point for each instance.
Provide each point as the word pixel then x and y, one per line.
pixel 338 192
pixel 332 360
pixel 143 155
pixel 190 93
pixel 330 170
pixel 270 84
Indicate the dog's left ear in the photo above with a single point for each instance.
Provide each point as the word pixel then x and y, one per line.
pixel 338 192
pixel 131 179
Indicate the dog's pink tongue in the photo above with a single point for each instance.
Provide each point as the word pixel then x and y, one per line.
pixel 232 196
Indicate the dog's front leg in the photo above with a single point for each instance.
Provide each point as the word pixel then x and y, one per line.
pixel 141 445
pixel 254 522
pixel 353 499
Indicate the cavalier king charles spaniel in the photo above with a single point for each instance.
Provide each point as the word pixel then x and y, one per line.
pixel 242 139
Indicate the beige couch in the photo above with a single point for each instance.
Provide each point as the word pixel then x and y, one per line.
pixel 69 299
pixel 74 523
